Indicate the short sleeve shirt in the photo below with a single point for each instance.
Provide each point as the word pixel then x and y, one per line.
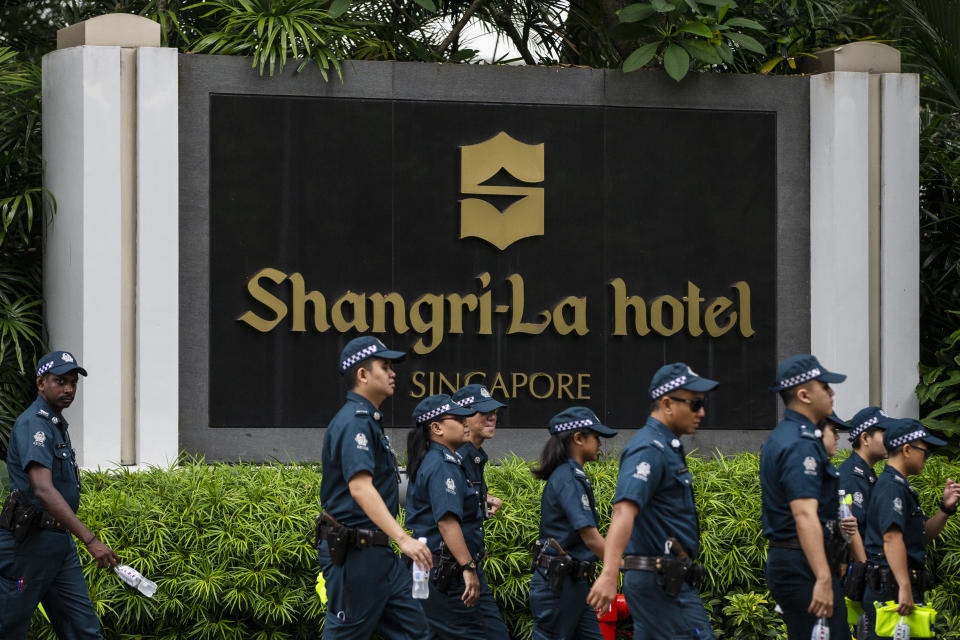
pixel 40 436
pixel 654 475
pixel 474 459
pixel 354 443
pixel 566 506
pixel 794 466
pixel 857 479
pixel 439 489
pixel 893 502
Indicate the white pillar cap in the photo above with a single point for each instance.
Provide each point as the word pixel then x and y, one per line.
pixel 111 30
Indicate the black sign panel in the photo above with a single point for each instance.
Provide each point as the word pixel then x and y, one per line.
pixel 557 254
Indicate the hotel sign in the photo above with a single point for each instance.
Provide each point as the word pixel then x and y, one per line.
pixel 559 254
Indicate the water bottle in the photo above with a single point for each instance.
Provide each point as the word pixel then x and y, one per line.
pixel 136 580
pixel 421 589
pixel 845 512
pixel 820 630
pixel 902 632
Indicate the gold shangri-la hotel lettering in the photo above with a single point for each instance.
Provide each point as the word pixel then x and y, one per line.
pixel 433 315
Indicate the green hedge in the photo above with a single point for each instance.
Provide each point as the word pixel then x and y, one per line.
pixel 227 545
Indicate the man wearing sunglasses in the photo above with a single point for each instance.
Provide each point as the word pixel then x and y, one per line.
pixel 897 530
pixel 799 502
pixel 655 517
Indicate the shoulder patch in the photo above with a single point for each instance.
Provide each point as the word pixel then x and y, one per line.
pixel 585 501
pixel 361 441
pixel 39 438
pixel 643 471
pixel 451 486
pixel 898 505
pixel 810 466
pixel 858 498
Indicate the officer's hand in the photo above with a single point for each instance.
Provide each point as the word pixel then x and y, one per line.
pixel 416 551
pixel 821 605
pixel 494 503
pixel 905 600
pixel 104 556
pixel 603 592
pixel 472 589
pixel 951 494
pixel 849 525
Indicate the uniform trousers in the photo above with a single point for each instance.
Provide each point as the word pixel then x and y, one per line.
pixel 44 568
pixel 658 616
pixel 564 614
pixel 450 619
pixel 791 582
pixel 370 591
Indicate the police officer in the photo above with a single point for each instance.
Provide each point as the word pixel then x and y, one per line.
pixel 568 515
pixel 443 508
pixel 799 501
pixel 481 426
pixel 368 587
pixel 857 476
pixel 897 530
pixel 38 558
pixel 655 518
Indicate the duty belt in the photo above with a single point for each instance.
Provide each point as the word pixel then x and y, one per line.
pixel 642 563
pixel 576 569
pixel 358 537
pixel 789 543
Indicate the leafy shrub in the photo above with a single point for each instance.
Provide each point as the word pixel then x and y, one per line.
pixel 939 389
pixel 227 546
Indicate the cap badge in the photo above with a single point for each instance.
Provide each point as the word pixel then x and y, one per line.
pixel 66 357
pixel 484 393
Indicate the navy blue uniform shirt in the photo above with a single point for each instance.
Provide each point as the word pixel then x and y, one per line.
pixel 355 442
pixel 566 506
pixel 473 460
pixel 40 435
pixel 894 502
pixel 654 476
pixel 441 488
pixel 857 479
pixel 793 466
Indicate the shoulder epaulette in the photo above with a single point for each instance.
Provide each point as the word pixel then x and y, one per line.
pixel 361 412
pixel 449 457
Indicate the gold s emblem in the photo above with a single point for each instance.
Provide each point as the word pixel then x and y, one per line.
pixel 479 163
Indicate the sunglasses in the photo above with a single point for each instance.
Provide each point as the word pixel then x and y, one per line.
pixel 926 451
pixel 695 405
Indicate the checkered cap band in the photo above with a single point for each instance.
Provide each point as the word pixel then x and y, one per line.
pixel 800 378
pixel 860 428
pixel 42 370
pixel 466 402
pixel 576 424
pixel 433 413
pixel 667 387
pixel 907 437
pixel 364 353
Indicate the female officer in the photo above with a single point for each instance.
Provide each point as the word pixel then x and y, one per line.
pixel 443 508
pixel 568 514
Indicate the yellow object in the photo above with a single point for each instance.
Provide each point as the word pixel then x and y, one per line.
pixel 40 606
pixel 848 499
pixel 854 611
pixel 322 588
pixel 920 621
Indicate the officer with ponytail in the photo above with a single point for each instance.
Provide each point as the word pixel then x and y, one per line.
pixel 444 508
pixel 569 544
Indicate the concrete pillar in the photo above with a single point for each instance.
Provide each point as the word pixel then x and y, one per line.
pixel 111 245
pixel 864 225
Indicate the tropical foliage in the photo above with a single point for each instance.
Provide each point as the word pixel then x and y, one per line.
pixel 227 545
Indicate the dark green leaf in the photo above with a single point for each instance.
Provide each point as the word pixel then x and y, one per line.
pixel 697 29
pixel 662 6
pixel 635 12
pixel 640 57
pixel 726 54
pixel 676 61
pixel 702 51
pixel 745 41
pixel 428 5
pixel 746 23
pixel 338 8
